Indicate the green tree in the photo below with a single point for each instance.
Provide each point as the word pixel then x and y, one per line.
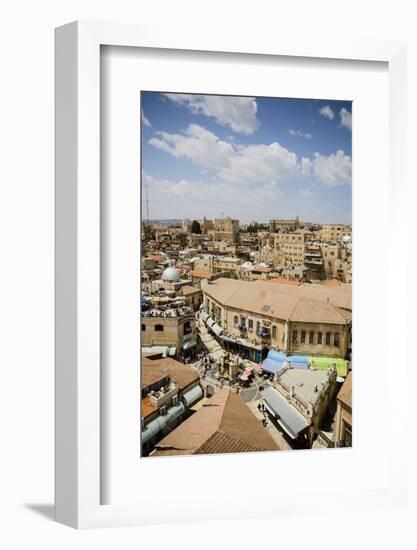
pixel 196 227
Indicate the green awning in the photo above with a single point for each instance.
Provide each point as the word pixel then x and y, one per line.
pixel 324 363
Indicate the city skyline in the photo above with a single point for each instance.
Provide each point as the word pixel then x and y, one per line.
pixel 249 158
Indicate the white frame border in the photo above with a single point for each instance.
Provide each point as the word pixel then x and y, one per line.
pixel 77 231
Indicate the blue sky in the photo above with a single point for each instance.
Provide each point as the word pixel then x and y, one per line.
pixel 247 157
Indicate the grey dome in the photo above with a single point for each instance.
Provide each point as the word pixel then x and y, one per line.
pixel 171 274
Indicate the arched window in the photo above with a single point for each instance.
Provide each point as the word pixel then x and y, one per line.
pixel 159 328
pixel 187 327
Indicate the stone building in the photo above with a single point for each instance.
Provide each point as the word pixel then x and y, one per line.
pixel 225 229
pixel 172 326
pixel 168 390
pixel 331 232
pixel 284 225
pixel 289 248
pixel 299 400
pixel 343 429
pixel 305 319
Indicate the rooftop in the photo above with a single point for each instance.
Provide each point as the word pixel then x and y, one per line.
pixel 188 289
pixel 224 424
pixel 181 374
pixel 307 383
pixel 200 274
pixel 303 303
pixel 147 407
pixel 345 393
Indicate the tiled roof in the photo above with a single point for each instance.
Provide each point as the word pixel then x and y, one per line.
pixel 345 393
pixel 200 274
pixel 224 424
pixel 332 283
pixel 297 303
pixel 147 407
pixel 188 289
pixel 181 374
pixel 282 281
pixel 151 375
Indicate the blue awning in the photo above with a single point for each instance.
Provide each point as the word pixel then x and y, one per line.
pixel 292 421
pixel 270 365
pixel 298 359
pixel 210 321
pixel 204 315
pixel 276 355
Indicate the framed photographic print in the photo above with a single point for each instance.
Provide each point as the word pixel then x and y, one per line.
pixel 216 320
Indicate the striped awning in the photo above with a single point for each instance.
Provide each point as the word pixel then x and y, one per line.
pixel 217 329
pixel 291 421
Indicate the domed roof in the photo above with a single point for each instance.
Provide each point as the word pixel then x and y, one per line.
pixel 171 274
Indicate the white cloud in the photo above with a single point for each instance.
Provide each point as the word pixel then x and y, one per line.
pixel 198 145
pixel 327 112
pixel 257 163
pixel 299 133
pixel 306 166
pixel 306 194
pixel 345 118
pixel 145 121
pixel 333 170
pixel 260 163
pixel 239 113
pixel 186 198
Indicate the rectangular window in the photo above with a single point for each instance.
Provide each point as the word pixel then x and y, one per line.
pixel 274 331
pixel 327 338
pixel 250 323
pixel 294 336
pixel 258 327
pixel 311 337
pixel 235 321
pixel 303 336
pixel 319 337
pixel 336 339
pixel 243 322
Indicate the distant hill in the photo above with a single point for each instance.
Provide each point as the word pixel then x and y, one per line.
pixel 168 223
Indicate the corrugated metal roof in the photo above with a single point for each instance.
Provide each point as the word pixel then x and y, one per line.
pixel 193 395
pixel 289 418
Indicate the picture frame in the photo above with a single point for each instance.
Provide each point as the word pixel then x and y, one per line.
pixel 78 407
